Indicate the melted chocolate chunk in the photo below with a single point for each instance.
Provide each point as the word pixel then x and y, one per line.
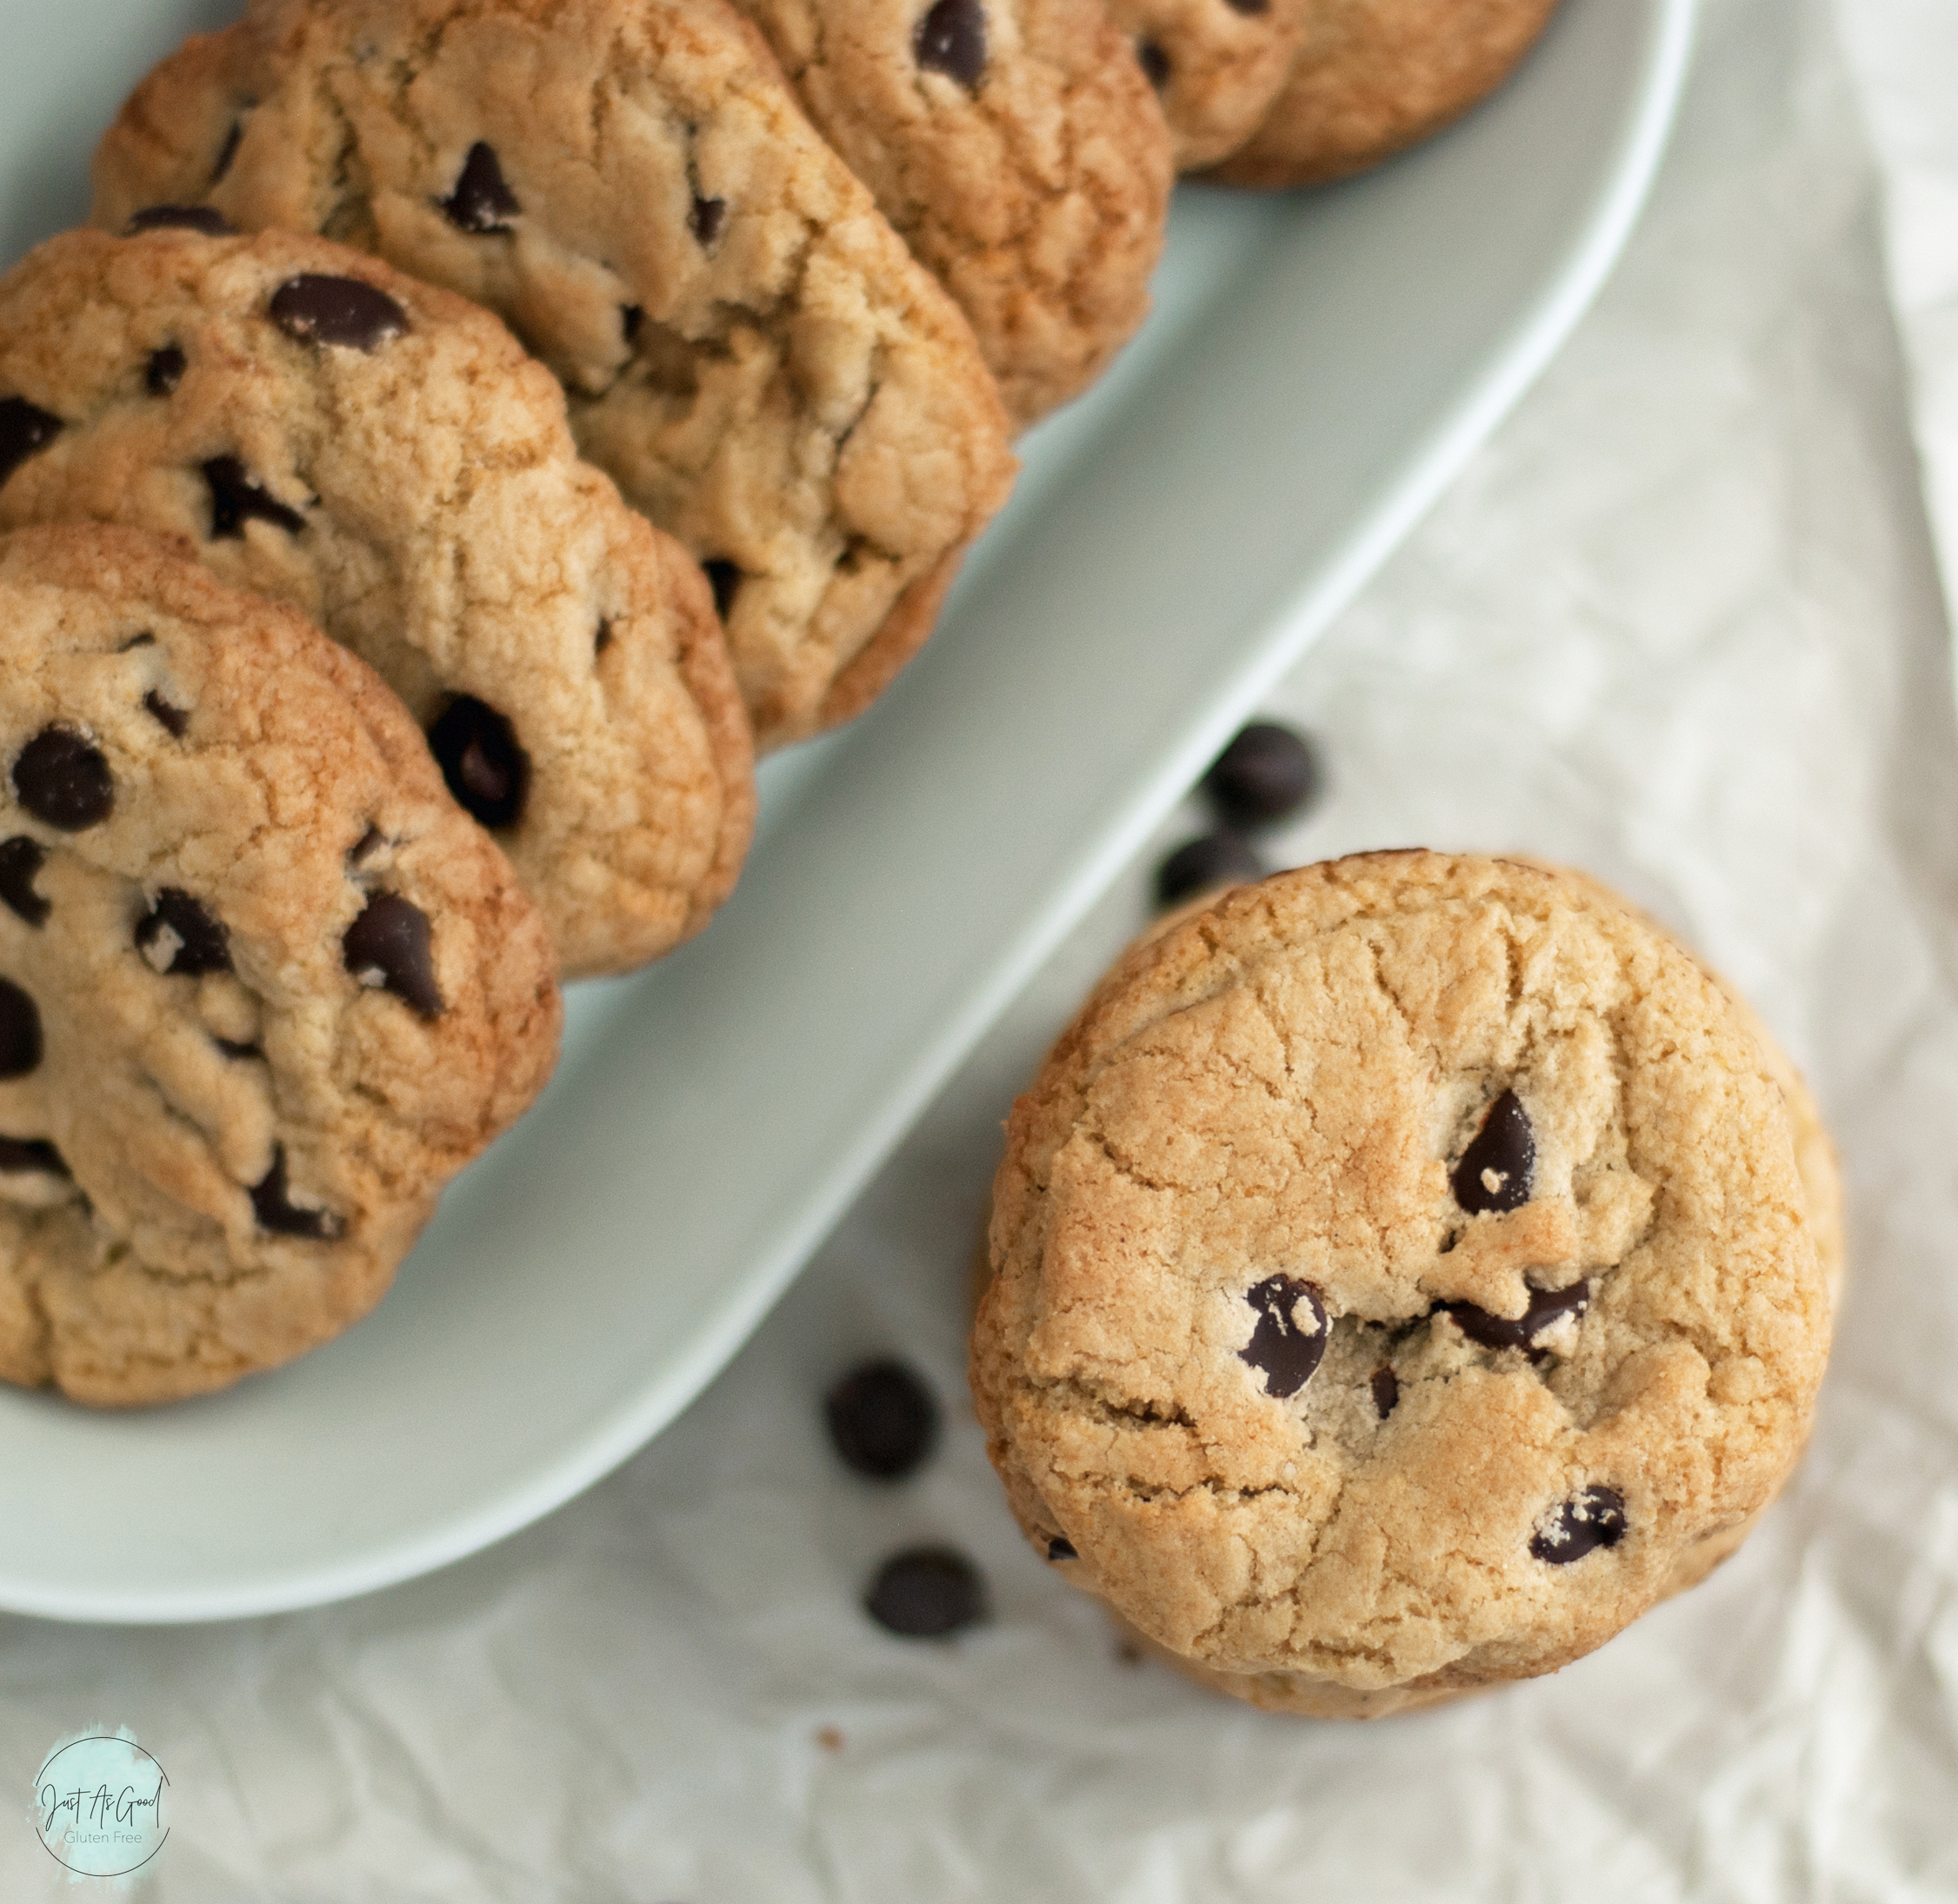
pixel 341 311
pixel 20 1031
pixel 927 1593
pixel 706 219
pixel 1284 1353
pixel 1593 1519
pixel 1062 1548
pixel 951 39
pixel 173 718
pixel 237 500
pixel 20 860
pixel 725 581
pixel 1206 864
pixel 1546 1307
pixel 271 1204
pixel 63 778
pixel 21 1155
pixel 205 218
pixel 165 371
pixel 486 770
pixel 228 151
pixel 390 948
pixel 25 430
pixel 882 1419
pixel 1155 64
pixel 1387 1390
pixel 1268 773
pixel 1495 1170
pixel 180 937
pixel 482 201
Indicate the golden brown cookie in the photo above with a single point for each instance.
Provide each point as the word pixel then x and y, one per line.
pixel 263 987
pixel 1217 66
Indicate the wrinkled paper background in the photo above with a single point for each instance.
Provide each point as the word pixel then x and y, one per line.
pixel 1680 623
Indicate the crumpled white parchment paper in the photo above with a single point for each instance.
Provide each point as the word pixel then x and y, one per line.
pixel 1679 624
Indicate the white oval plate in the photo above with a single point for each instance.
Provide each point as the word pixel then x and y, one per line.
pixel 1319 367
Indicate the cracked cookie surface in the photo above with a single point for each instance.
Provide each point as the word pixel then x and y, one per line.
pixel 263 987
pixel 385 457
pixel 747 346
pixel 1403 1276
pixel 1217 66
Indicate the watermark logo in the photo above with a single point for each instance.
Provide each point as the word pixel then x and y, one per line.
pixel 100 1804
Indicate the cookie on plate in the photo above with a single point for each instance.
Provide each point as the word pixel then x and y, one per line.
pixel 1375 76
pixel 749 348
pixel 386 458
pixel 263 987
pixel 1018 150
pixel 1218 65
pixel 1403 1277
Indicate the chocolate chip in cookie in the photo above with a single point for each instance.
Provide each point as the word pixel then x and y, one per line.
pixel 20 1031
pixel 63 778
pixel 1593 1519
pixel 1289 1339
pixel 181 935
pixel 951 39
pixel 481 203
pixel 237 499
pixel 20 860
pixel 477 751
pixel 342 312
pixel 1496 1170
pixel 390 947
pixel 25 429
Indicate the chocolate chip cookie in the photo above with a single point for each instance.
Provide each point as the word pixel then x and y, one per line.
pixel 749 350
pixel 1019 151
pixel 263 987
pixel 1403 1277
pixel 386 458
pixel 1217 66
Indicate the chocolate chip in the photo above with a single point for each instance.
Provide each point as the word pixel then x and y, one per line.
pixel 165 371
pixel 631 317
pixel 1155 64
pixel 1547 1308
pixel 724 579
pixel 1387 1390
pixel 135 642
pixel 927 1593
pixel 390 949
pixel 20 1031
pixel 1205 864
pixel 1251 7
pixel 180 937
pixel 882 1419
pixel 341 311
pixel 951 39
pixel 602 640
pixel 237 1051
pixel 24 431
pixel 706 219
pixel 1495 1170
pixel 173 718
pixel 61 777
pixel 20 1156
pixel 1267 773
pixel 228 151
pixel 205 218
pixel 20 860
pixel 271 1204
pixel 1060 1548
pixel 1593 1519
pixel 235 499
pixel 486 770
pixel 480 202
pixel 366 846
pixel 1283 1351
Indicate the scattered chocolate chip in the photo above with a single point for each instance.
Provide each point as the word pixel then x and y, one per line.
pixel 1547 1308
pixel 631 317
pixel 180 937
pixel 20 1156
pixel 486 770
pixel 341 311
pixel 1495 1170
pixel 228 151
pixel 390 948
pixel 706 219
pixel 1387 1390
pixel 205 218
pixel 1280 1349
pixel 176 719
pixel 25 429
pixel 20 1031
pixel 1268 773
pixel 882 1419
pixel 238 1051
pixel 365 847
pixel 63 778
pixel 482 201
pixel 271 1204
pixel 1062 1548
pixel 165 371
pixel 235 499
pixel 20 861
pixel 1155 64
pixel 927 1593
pixel 1593 1519
pixel 951 39
pixel 1206 864
pixel 725 580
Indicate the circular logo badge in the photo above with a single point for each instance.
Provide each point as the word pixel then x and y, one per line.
pixel 98 1805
